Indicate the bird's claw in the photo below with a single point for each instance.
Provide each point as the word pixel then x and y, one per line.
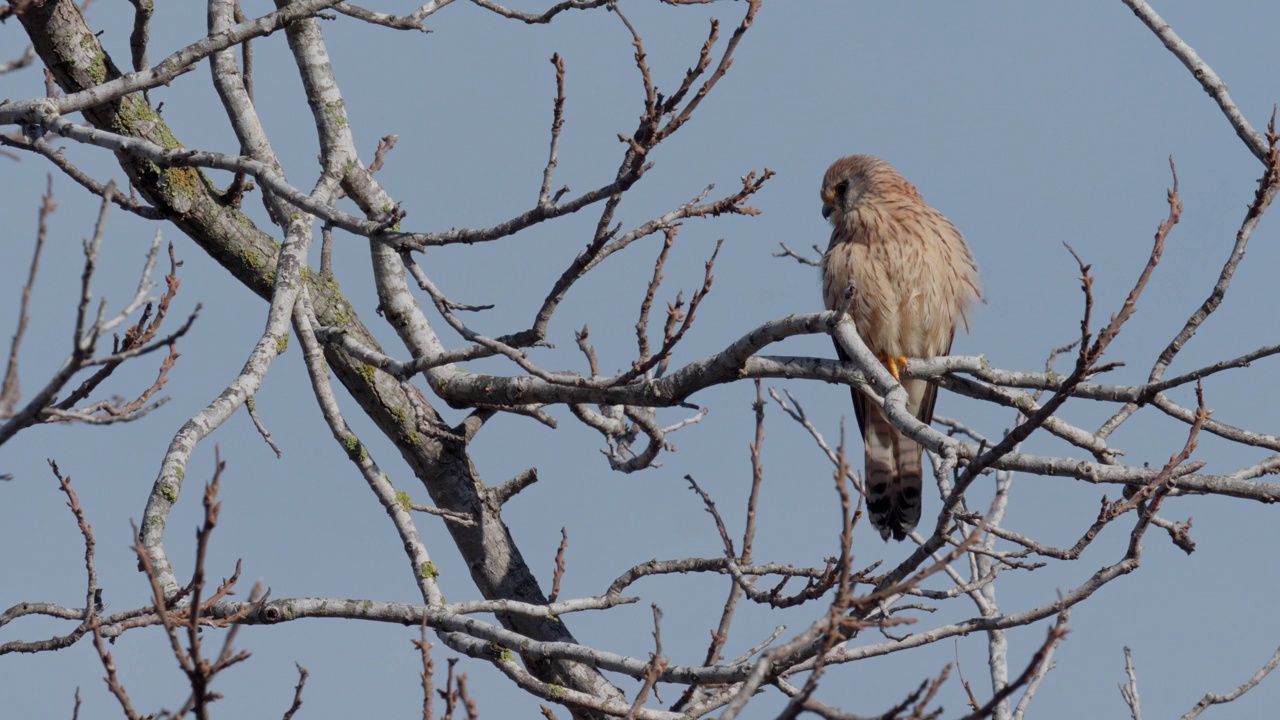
pixel 895 365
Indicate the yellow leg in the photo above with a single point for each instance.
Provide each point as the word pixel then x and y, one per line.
pixel 895 364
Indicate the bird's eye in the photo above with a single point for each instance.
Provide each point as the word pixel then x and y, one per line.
pixel 842 187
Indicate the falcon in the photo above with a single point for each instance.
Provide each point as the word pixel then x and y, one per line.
pixel 914 280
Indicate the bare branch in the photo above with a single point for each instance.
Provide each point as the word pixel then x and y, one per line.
pixel 297 692
pixel 1204 74
pixel 558 575
pixel 1129 690
pixel 1214 699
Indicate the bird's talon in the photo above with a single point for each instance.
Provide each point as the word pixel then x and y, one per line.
pixel 895 364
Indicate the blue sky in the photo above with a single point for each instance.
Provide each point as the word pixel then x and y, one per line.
pixel 1027 124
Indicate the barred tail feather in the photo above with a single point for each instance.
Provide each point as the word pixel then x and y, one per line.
pixel 893 477
pixel 893 470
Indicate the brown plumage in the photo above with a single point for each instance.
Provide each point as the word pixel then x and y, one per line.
pixel 914 279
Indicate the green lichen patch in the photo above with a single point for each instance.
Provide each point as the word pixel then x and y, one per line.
pixel 499 653
pixel 338 111
pixel 355 449
pixel 97 67
pixel 181 182
pixel 137 118
pixel 342 316
pixel 254 259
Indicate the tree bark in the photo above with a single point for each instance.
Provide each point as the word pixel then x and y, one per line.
pixel 436 452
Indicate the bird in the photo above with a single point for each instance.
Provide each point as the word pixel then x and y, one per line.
pixel 914 281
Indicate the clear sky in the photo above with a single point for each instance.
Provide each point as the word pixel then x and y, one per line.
pixel 1027 124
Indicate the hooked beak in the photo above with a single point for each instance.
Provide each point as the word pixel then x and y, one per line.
pixel 827 209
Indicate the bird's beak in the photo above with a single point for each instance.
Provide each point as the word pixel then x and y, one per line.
pixel 827 209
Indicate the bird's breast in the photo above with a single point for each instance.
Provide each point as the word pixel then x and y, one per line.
pixel 899 304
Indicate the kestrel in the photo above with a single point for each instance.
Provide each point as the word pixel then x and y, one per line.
pixel 914 280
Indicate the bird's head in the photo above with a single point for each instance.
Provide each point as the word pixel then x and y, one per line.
pixel 850 181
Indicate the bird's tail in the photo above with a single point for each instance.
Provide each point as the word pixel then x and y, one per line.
pixel 894 477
